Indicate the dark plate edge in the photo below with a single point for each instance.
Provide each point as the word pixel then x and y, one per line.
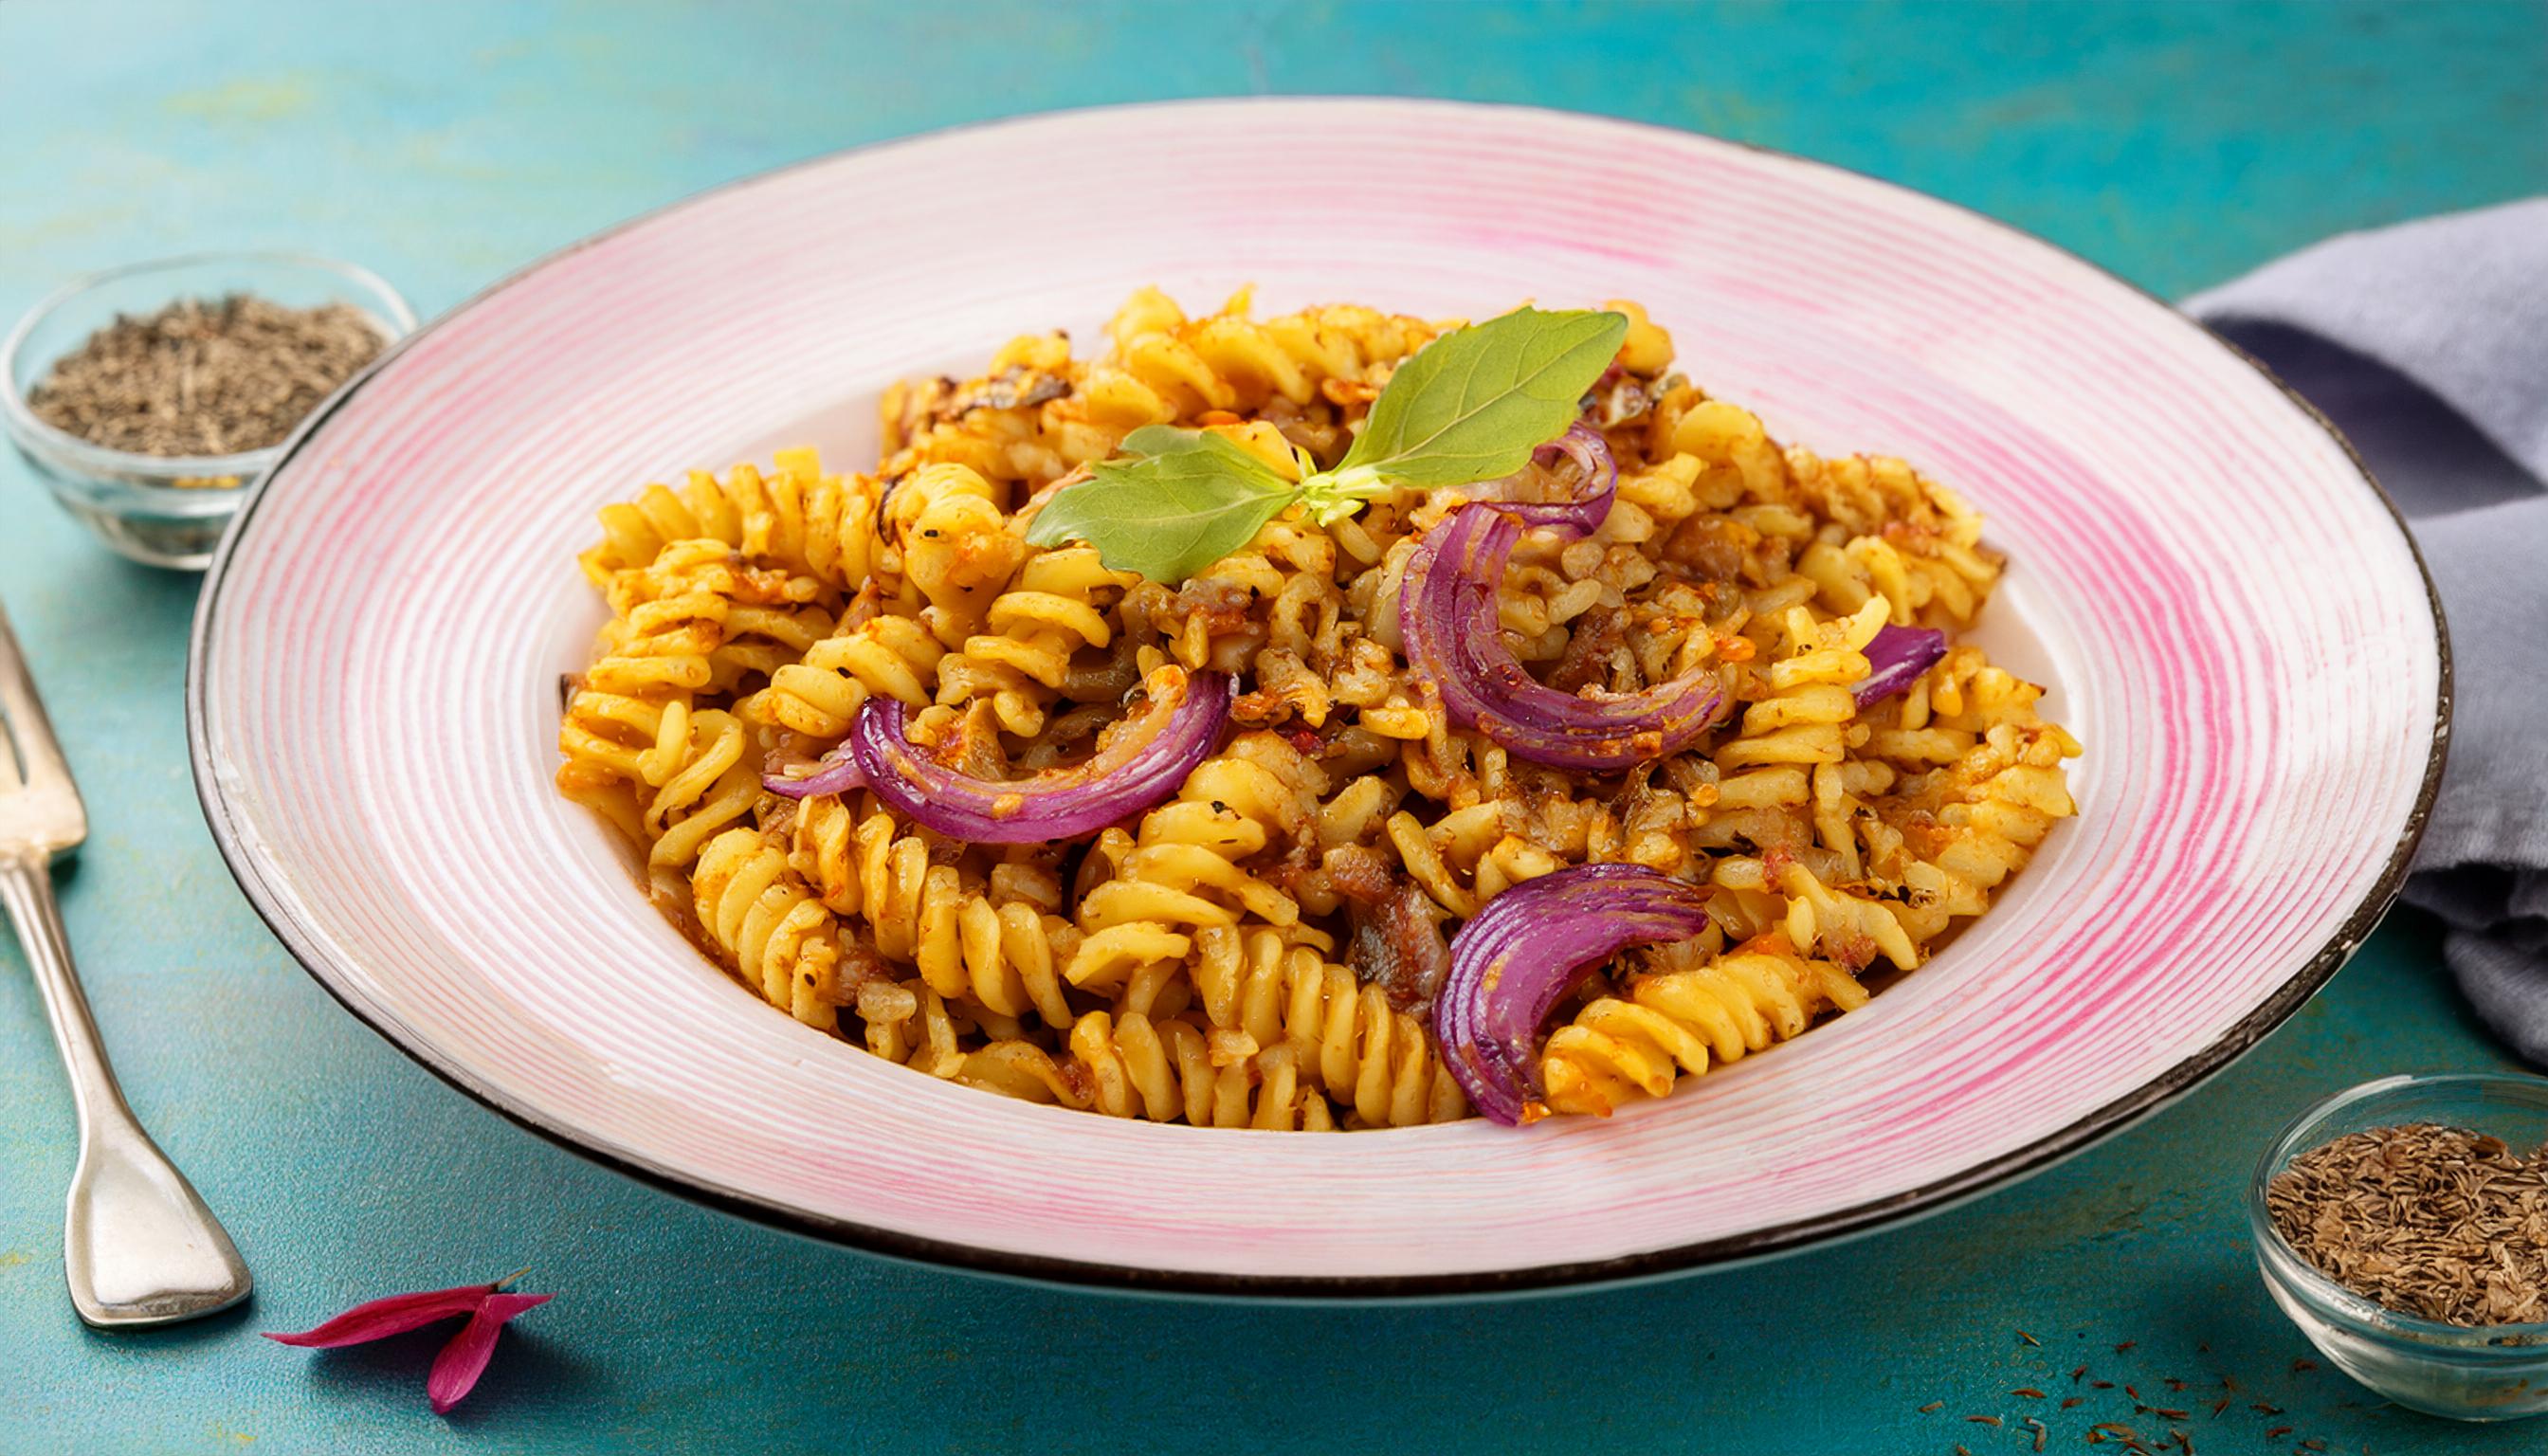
pixel 1758 1244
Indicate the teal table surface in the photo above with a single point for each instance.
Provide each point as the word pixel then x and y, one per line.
pixel 445 144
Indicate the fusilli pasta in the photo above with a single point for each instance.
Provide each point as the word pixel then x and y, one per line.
pixel 1259 950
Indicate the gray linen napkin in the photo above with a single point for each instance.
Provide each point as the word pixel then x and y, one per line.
pixel 2427 344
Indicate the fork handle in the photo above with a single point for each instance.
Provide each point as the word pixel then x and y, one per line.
pixel 138 1246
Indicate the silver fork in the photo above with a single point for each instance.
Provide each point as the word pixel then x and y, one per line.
pixel 138 1246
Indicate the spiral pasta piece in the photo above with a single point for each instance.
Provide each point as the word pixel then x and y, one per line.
pixel 1023 660
pixel 798 519
pixel 1378 1062
pixel 784 941
pixel 1165 1071
pixel 1687 1021
pixel 819 695
pixel 715 786
pixel 1164 366
pixel 1002 954
pixel 1187 867
pixel 957 548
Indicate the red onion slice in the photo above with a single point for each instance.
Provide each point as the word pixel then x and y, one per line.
pixel 1519 956
pixel 835 771
pixel 1139 765
pixel 1594 491
pixel 1897 657
pixel 1447 616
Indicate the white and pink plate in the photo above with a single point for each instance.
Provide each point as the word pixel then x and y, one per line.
pixel 2226 608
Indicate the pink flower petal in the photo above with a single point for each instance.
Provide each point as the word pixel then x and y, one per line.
pixel 395 1315
pixel 457 1368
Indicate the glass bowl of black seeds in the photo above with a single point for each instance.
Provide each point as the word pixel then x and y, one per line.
pixel 151 398
pixel 2403 1224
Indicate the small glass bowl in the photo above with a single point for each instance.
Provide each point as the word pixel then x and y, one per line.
pixel 163 510
pixel 2494 1372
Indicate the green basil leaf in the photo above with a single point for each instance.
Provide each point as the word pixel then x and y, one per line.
pixel 1176 501
pixel 1475 403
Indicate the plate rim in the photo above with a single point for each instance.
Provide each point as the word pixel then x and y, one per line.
pixel 2012 1166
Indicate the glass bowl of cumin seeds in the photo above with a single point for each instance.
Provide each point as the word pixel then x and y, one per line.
pixel 149 398
pixel 2403 1226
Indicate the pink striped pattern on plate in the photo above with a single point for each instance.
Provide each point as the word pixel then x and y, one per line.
pixel 2227 614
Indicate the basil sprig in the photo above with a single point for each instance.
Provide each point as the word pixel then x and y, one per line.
pixel 1469 406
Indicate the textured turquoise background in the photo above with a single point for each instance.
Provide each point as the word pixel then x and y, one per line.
pixel 445 144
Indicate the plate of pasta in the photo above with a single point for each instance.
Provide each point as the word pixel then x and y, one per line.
pixel 1246 749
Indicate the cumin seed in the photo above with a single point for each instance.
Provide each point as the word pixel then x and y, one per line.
pixel 2432 1221
pixel 1933 1408
pixel 2029 1392
pixel 1983 1420
pixel 205 377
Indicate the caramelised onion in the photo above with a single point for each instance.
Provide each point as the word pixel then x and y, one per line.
pixel 1518 957
pixel 1140 764
pixel 835 771
pixel 1447 616
pixel 1897 656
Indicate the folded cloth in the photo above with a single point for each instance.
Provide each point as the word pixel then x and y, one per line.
pixel 2427 344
